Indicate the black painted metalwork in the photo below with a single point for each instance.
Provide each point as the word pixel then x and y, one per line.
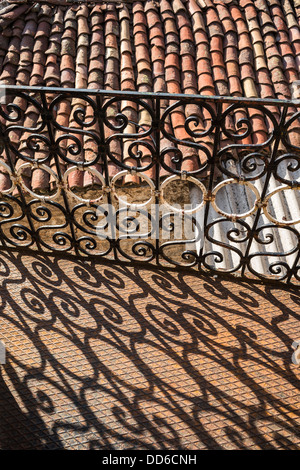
pixel 244 215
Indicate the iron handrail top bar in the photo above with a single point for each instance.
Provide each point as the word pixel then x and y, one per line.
pixel 145 95
pixel 70 2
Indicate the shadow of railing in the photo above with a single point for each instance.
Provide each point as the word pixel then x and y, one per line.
pixel 120 357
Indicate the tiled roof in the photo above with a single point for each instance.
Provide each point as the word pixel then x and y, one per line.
pixel 247 48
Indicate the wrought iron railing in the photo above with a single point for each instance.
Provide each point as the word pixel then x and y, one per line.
pixel 209 183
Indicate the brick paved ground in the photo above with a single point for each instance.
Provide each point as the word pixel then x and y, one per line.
pixel 117 357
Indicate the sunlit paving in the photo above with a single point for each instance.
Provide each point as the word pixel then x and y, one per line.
pixel 149 227
pixel 117 357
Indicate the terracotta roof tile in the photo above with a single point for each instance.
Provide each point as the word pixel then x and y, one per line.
pixel 256 37
pixel 230 39
pixel 217 59
pixel 285 49
pixel 10 16
pixel 219 72
pixel 244 41
pixel 246 56
pixel 233 69
pixel 203 51
pixel 187 47
pixel 247 71
pixel 216 44
pixel 235 88
pixel 231 54
pixel 204 66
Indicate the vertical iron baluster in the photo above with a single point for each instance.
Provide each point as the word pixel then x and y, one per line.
pixel 5 148
pixel 103 159
pixel 211 175
pixel 269 173
pixel 50 128
pixel 295 266
pixel 157 124
pixel 24 204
